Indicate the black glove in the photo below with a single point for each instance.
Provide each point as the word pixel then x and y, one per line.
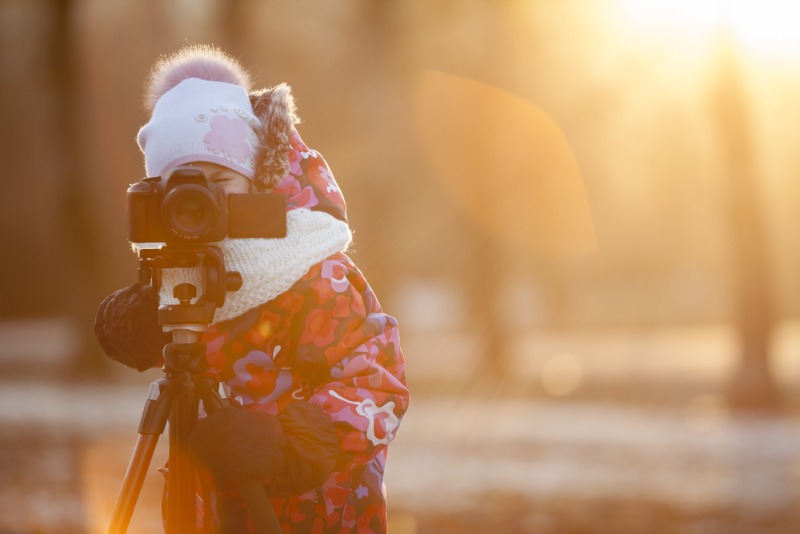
pixel 313 448
pixel 126 326
pixel 237 443
pixel 292 453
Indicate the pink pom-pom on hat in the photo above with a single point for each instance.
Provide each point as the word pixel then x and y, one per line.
pixel 201 111
pixel 198 61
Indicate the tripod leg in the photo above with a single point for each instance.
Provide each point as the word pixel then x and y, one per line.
pixel 151 426
pixel 181 477
pixel 132 483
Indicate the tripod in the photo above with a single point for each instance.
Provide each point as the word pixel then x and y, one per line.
pixel 176 396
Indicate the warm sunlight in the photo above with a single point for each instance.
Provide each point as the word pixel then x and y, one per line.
pixel 506 163
pixel 562 233
pixel 763 26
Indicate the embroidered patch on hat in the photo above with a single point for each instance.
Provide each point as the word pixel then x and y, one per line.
pixel 229 138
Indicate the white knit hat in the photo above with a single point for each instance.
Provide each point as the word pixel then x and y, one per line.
pixel 201 120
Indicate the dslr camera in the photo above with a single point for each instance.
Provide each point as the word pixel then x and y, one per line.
pixel 186 209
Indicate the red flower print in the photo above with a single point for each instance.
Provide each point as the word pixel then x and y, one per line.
pixel 320 328
pixel 294 512
pixel 257 378
pixel 289 186
pixel 353 336
pixel 290 301
pixel 342 306
pixel 323 291
pixel 214 341
pixel 305 199
pixel 372 518
pixel 216 361
pixel 358 307
pixel 262 381
pixel 336 496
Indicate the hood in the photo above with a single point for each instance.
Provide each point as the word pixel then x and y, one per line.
pixel 284 164
pixel 310 184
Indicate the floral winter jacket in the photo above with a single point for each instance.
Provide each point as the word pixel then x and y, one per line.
pixel 319 342
pixel 326 342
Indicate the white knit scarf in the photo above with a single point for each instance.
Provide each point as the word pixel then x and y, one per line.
pixel 268 266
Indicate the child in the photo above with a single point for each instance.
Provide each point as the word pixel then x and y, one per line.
pixel 304 342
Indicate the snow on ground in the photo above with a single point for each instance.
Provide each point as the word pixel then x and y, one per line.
pixel 543 449
pixel 66 448
pixel 467 462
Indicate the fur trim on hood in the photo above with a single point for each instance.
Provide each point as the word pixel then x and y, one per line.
pixel 276 109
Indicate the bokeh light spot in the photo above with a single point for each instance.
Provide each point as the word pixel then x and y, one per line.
pixel 561 374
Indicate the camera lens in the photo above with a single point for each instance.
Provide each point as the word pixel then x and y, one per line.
pixel 189 211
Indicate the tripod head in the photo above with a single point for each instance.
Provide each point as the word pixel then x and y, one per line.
pixel 191 316
pixel 216 282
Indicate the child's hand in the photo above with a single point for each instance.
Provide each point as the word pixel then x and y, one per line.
pixel 126 326
pixel 236 443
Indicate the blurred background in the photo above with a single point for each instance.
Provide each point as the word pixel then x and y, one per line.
pixel 582 212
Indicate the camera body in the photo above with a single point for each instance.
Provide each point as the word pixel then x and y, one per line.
pixel 186 208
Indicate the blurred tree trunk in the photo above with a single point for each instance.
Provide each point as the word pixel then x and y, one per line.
pixel 485 284
pixel 486 277
pixel 82 259
pixel 377 54
pixel 752 387
pixel 233 26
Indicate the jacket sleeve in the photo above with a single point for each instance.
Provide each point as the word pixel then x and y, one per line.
pixel 350 350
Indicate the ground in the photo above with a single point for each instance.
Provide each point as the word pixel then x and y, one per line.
pixel 472 463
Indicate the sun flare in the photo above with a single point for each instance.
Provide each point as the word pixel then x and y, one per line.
pixel 764 26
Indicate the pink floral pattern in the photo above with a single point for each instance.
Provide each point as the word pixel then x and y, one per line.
pixel 228 137
pixel 310 182
pixel 343 328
